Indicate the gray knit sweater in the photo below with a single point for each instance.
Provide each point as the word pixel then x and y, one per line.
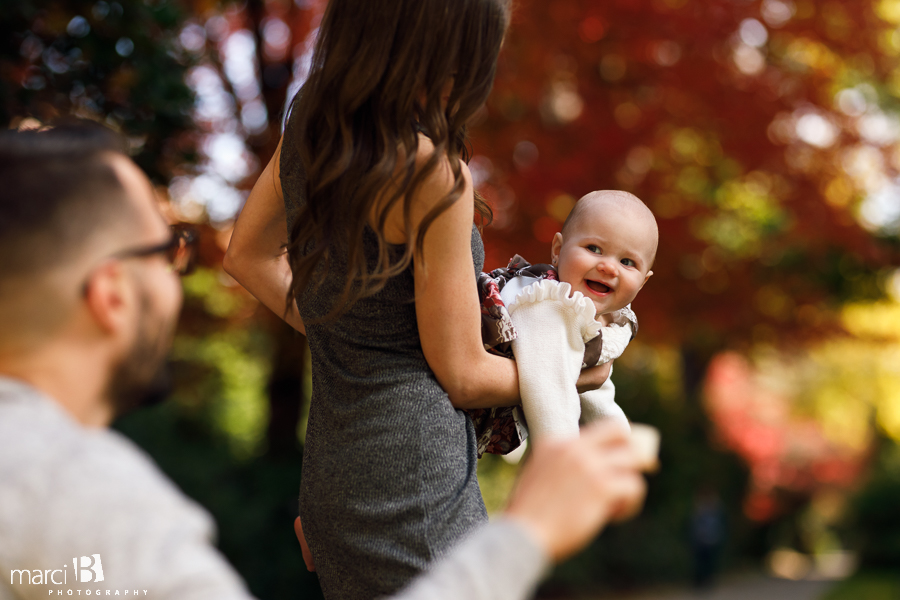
pixel 68 492
pixel 71 493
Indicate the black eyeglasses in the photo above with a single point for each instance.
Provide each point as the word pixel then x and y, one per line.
pixel 180 250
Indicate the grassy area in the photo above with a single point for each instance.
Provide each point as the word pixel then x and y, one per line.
pixel 867 585
pixel 496 477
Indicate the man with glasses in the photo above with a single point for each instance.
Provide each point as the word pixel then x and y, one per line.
pixel 89 299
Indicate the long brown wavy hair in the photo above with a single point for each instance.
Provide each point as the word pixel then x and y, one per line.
pixel 357 118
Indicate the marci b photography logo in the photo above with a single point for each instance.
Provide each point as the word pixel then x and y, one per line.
pixel 91 569
pixel 86 569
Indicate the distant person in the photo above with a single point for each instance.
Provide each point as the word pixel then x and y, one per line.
pixel 89 298
pixel 574 312
pixel 707 536
pixel 370 192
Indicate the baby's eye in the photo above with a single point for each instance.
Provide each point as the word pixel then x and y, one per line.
pixel 628 262
pixel 595 249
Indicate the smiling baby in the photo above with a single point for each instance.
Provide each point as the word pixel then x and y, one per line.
pixel 556 319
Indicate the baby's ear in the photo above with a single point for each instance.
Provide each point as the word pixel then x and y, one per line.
pixel 555 247
pixel 649 273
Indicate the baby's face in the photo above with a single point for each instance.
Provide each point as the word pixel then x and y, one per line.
pixel 606 255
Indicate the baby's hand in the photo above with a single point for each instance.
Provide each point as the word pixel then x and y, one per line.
pixel 592 378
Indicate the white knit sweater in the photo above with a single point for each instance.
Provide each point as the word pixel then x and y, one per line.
pixel 553 323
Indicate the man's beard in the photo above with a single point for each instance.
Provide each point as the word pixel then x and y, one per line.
pixel 142 377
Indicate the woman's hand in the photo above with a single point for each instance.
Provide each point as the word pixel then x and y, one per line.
pixel 570 489
pixel 592 378
pixel 304 547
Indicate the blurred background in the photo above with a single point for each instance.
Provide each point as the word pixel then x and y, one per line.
pixel 765 136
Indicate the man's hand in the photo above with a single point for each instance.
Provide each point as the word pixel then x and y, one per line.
pixel 569 490
pixel 592 378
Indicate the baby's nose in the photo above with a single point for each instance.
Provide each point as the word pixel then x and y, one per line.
pixel 608 265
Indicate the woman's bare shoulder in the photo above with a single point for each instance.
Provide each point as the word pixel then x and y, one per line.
pixel 440 181
pixel 430 192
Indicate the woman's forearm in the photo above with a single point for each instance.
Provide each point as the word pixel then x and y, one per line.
pixel 255 256
pixel 484 381
pixel 267 279
pixel 492 381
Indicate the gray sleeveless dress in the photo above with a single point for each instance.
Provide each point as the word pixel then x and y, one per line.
pixel 389 481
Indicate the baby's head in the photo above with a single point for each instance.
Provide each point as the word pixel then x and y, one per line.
pixel 606 248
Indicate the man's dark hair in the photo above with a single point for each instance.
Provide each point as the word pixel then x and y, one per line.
pixel 57 190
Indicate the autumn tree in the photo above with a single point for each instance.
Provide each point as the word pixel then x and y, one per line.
pixel 760 133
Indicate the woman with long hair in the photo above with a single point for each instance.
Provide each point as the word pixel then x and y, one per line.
pixel 370 194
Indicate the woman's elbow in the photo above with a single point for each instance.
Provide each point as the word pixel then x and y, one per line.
pixel 464 394
pixel 475 379
pixel 233 263
pixel 482 381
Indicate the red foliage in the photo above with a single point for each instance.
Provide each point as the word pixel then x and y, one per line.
pixel 597 94
pixel 783 451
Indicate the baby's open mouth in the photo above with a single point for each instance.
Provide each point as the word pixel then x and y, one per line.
pixel 600 288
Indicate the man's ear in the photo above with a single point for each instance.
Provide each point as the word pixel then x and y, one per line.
pixel 555 247
pixel 106 296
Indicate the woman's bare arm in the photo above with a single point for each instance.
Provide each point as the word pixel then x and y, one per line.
pixel 447 307
pixel 255 256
